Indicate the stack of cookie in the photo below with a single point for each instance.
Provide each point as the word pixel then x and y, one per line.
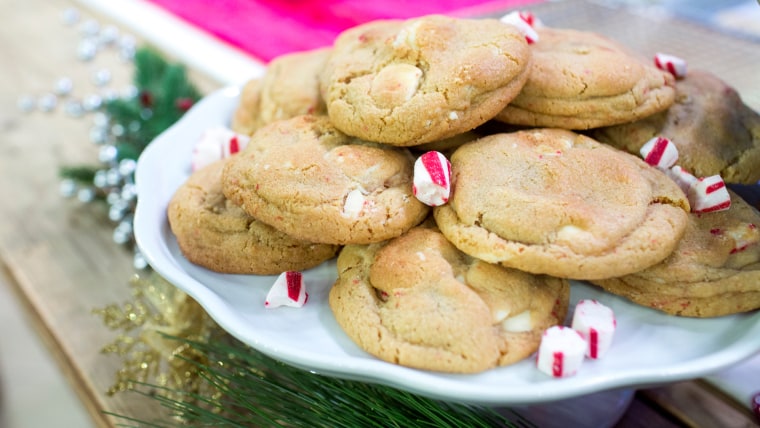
pixel 540 191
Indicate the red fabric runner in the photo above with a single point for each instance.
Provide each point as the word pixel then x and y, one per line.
pixel 268 28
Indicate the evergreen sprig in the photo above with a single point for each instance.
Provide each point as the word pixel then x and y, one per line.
pixel 255 390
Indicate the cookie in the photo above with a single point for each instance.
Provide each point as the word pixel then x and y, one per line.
pixel 216 234
pixel 245 119
pixel 555 202
pixel 311 181
pixel 714 271
pixel 288 88
pixel 581 80
pixel 411 82
pixel 419 302
pixel 714 131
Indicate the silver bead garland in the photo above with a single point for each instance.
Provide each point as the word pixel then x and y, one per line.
pixel 115 178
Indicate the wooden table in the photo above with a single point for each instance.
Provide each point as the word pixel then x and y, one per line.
pixel 59 255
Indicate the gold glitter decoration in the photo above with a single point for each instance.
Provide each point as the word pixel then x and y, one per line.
pixel 154 329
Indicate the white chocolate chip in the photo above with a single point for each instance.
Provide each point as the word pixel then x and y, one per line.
pixel 518 323
pixel 395 85
pixel 453 115
pixel 354 203
pixel 407 36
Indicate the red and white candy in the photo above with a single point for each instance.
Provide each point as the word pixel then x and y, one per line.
pixel 596 323
pixel 659 152
pixel 670 63
pixel 216 144
pixel 561 351
pixel 684 179
pixel 287 290
pixel 525 22
pixel 432 179
pixel 708 194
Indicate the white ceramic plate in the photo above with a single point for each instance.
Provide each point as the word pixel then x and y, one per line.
pixel 649 347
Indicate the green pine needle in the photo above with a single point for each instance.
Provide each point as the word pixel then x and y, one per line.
pixel 258 391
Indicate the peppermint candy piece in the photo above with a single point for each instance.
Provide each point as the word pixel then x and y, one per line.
pixel 525 23
pixel 216 144
pixel 432 179
pixel 659 152
pixel 596 323
pixel 561 352
pixel 287 290
pixel 684 179
pixel 672 64
pixel 708 194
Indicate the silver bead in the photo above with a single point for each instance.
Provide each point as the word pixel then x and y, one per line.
pixel 99 180
pixel 101 77
pixel 98 135
pixel 108 34
pixel 107 154
pixel 108 94
pixel 92 102
pixel 86 50
pixel 113 178
pixel 63 86
pixel 74 108
pixel 130 92
pixel 67 188
pixel 100 119
pixel 120 237
pixel 128 192
pixel 47 102
pixel 127 167
pixel 115 213
pixel 86 194
pixel 117 130
pixel 70 16
pixel 113 198
pixel 90 28
pixel 138 260
pixel 26 103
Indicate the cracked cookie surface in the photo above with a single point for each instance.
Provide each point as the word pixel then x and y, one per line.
pixel 310 180
pixel 215 233
pixel 714 271
pixel 582 80
pixel 288 88
pixel 555 202
pixel 417 301
pixel 410 82
pixel 713 130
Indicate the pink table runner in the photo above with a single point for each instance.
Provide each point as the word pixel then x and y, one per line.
pixel 268 28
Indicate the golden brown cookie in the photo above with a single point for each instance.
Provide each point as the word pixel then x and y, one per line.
pixel 419 302
pixel 582 80
pixel 311 181
pixel 245 119
pixel 714 271
pixel 288 88
pixel 410 82
pixel 214 233
pixel 714 131
pixel 555 202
